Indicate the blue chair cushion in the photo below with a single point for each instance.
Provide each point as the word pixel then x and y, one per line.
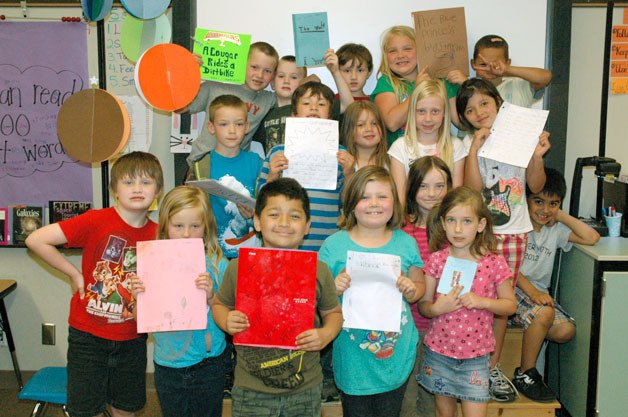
pixel 47 385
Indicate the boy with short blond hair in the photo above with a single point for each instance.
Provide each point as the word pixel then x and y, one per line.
pixel 233 167
pixel 287 382
pixel 260 70
pixel 106 356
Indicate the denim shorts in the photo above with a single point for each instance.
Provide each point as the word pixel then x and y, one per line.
pixel 194 390
pixel 464 379
pixel 256 404
pixel 102 371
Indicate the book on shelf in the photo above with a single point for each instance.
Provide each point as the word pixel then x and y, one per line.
pixel 4 226
pixel 63 210
pixel 24 221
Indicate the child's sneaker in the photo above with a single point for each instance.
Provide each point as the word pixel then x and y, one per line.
pixel 330 392
pixel 499 386
pixel 530 383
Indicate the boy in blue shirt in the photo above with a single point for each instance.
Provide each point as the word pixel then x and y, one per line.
pixel 539 314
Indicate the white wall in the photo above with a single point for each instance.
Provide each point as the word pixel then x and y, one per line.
pixel 585 86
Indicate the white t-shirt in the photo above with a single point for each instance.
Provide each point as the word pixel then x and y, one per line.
pixel 519 91
pixel 407 155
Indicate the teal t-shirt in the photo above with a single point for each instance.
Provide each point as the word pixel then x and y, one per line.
pixel 384 86
pixel 368 362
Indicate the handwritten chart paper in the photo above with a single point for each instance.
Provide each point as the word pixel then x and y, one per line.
pixel 42 64
pixel 224 55
pixel 311 145
pixel 276 290
pixel 441 41
pixel 213 187
pixel 373 283
pixel 141 123
pixel 168 269
pixel 457 272
pixel 311 38
pixel 514 135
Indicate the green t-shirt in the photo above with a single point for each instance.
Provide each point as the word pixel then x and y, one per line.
pixel 272 370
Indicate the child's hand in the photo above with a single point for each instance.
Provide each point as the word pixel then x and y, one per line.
pixel 137 286
pixel 543 146
pixel 313 340
pixel 422 76
pixel 346 161
pixel 331 61
pixel 343 281
pixel 406 286
pixel 245 211
pixel 499 68
pixel 479 137
pixel 311 77
pixel 541 298
pixel 198 59
pixel 237 322
pixel 277 164
pixel 77 283
pixel 472 300
pixel 446 303
pixel 456 77
pixel 204 282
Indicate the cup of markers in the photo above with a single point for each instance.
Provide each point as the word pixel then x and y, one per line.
pixel 613 221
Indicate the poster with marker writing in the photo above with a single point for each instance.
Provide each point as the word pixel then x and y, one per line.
pixel 224 55
pixel 311 38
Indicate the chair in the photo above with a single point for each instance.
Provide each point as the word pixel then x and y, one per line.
pixel 47 386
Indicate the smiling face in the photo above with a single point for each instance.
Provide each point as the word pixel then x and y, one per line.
pixel 229 126
pixel 282 223
pixel 187 223
pixel 401 56
pixel 260 69
pixel 310 105
pixel 481 111
pixel 429 116
pixel 543 208
pixel 287 79
pixel 431 191
pixel 367 131
pixel 461 226
pixel 375 207
pixel 355 75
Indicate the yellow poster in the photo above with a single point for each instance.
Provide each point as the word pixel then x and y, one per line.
pixel 619 86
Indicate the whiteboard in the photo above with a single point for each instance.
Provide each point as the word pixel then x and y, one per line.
pixel 521 23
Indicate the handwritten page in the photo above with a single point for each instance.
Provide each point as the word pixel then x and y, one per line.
pixel 168 269
pixel 311 145
pixel 141 123
pixel 224 55
pixel 457 272
pixel 514 135
pixel 213 187
pixel 373 283
pixel 311 38
pixel 441 41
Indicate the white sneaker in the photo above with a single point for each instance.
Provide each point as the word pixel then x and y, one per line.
pixel 499 386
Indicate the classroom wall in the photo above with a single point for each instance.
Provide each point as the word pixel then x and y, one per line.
pixel 585 96
pixel 43 294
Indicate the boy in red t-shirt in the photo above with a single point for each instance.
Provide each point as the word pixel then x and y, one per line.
pixel 106 356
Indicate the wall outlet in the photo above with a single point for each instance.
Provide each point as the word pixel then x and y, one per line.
pixel 3 339
pixel 47 334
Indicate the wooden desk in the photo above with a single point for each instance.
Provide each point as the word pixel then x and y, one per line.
pixel 6 287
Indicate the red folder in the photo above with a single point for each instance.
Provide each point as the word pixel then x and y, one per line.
pixel 277 291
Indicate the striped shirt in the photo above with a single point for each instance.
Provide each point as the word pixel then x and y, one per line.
pixel 324 205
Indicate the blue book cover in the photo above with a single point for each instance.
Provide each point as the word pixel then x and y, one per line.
pixel 311 38
pixel 457 272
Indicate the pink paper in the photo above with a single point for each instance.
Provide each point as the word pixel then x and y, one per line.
pixel 168 269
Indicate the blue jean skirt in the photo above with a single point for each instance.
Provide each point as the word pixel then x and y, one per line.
pixel 464 379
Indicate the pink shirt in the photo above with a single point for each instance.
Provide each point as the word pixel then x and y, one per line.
pixel 420 235
pixel 466 333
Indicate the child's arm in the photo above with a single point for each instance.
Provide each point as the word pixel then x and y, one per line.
pixel 472 177
pixel 535 295
pixel 535 172
pixel 43 242
pixel 504 305
pixel 446 303
pixel 537 77
pixel 347 162
pixel 273 165
pixel 314 340
pixel 230 321
pixel 204 282
pixel 331 62
pixel 458 174
pixel 580 232
pixel 398 173
pixel 395 114
pixel 455 77
pixel 413 286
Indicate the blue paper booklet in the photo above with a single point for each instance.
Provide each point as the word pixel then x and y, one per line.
pixel 457 272
pixel 311 38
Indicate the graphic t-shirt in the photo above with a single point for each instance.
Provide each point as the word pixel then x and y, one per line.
pixel 109 260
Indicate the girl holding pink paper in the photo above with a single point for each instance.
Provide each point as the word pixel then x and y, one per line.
pixel 190 366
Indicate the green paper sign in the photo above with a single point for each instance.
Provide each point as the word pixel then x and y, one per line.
pixel 224 55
